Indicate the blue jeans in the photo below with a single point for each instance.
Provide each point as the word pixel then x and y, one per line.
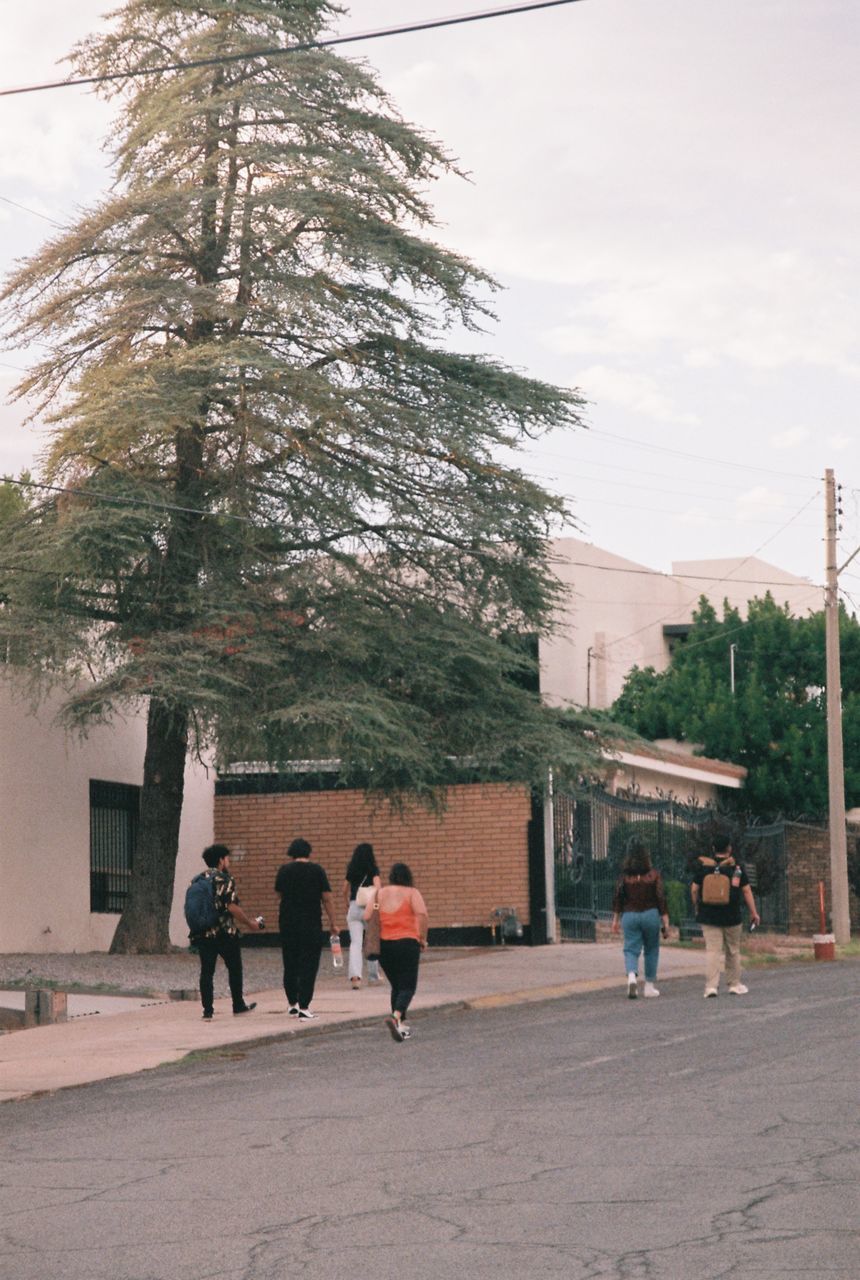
pixel 641 930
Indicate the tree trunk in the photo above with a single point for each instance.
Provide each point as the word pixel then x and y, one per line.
pixel 145 924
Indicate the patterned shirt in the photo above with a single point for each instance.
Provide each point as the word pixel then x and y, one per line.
pixel 225 893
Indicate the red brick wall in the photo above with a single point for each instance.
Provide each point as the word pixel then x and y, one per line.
pixel 808 861
pixel 466 861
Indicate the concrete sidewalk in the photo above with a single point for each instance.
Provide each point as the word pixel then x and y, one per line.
pixel 99 1048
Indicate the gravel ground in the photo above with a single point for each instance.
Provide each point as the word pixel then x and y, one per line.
pixel 180 969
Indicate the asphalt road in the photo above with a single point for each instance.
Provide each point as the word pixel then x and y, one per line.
pixel 678 1139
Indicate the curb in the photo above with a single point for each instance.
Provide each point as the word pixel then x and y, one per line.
pixel 500 1000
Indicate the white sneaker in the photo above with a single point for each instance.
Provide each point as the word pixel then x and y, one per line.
pixel 632 986
pixel 305 1015
pixel 710 992
pixel 393 1024
pixel 650 991
pixel 738 990
pixel 293 1011
pixel 405 1030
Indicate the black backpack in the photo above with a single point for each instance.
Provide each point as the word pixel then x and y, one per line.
pixel 201 914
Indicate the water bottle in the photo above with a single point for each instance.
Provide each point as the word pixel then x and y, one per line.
pixel 336 952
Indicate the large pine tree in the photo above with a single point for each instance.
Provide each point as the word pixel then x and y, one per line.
pixel 286 527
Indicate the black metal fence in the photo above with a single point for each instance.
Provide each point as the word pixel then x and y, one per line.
pixel 114 820
pixel 593 829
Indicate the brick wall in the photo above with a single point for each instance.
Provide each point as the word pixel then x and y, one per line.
pixel 466 861
pixel 808 861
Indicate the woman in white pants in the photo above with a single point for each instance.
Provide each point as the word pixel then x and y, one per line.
pixel 362 877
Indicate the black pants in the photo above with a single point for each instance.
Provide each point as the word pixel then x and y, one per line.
pixel 225 945
pixel 301 952
pixel 399 961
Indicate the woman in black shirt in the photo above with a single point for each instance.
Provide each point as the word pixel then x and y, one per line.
pixel 362 873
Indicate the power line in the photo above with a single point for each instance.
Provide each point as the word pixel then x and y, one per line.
pixel 541 455
pixel 429 24
pixel 694 644
pixel 660 511
pixel 692 577
pixel 699 457
pixel 34 212
pixel 129 502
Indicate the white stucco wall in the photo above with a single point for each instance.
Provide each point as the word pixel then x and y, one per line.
pixel 45 827
pixel 618 608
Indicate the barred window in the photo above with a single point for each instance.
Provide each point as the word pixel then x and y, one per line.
pixel 114 820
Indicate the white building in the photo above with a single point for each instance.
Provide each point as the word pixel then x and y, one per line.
pixel 620 614
pixel 69 804
pixel 69 812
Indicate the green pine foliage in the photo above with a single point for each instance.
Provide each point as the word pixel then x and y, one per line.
pixel 775 724
pixel 285 528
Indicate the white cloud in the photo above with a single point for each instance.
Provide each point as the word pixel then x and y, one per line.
pixel 696 519
pixel 758 502
pixel 791 438
pixel 840 442
pixel 635 391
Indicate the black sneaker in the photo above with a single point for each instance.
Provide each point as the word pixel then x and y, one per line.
pixel 246 1008
pixel 208 1014
pixel 393 1025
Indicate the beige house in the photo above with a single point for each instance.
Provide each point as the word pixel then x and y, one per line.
pixel 669 770
pixel 620 614
pixel 69 813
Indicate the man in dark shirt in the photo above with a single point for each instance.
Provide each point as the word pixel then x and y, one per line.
pixel 304 888
pixel 721 923
pixel 223 939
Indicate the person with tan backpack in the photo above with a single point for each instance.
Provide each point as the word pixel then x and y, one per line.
pixel 720 885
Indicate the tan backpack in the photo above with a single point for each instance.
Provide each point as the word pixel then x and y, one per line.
pixel 717 883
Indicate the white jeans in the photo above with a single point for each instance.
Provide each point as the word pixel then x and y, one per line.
pixel 355 922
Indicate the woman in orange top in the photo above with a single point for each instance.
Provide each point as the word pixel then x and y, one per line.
pixel 402 938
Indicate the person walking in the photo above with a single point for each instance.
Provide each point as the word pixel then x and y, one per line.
pixel 720 886
pixel 403 926
pixel 639 909
pixel 217 888
pixel 360 880
pixel 304 889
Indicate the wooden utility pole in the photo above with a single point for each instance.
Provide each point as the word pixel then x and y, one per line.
pixel 841 920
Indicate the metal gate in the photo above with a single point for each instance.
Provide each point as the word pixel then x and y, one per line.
pixel 592 831
pixel 763 853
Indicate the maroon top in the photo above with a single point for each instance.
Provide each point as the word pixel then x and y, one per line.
pixel 640 893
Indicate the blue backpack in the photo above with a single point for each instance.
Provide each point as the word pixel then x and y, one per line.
pixel 201 914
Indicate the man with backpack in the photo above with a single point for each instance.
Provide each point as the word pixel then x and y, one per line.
pixel 720 885
pixel 212 912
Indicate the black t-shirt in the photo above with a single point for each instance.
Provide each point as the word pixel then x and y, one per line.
pixel 730 912
pixel 355 882
pixel 301 886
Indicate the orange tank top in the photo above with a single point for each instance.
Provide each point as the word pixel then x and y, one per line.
pixel 400 923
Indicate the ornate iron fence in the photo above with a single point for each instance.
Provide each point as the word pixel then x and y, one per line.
pixel 592 831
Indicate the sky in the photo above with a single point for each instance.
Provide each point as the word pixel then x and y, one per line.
pixel 667 191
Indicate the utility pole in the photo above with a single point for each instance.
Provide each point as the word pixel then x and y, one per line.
pixel 841 920
pixel 732 648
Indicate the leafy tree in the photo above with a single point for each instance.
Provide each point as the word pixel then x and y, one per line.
pixel 775 724
pixel 285 523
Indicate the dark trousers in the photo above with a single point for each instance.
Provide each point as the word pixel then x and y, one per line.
pixel 225 945
pixel 399 961
pixel 301 952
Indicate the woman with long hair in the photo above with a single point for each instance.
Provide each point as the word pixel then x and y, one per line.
pixel 362 873
pixel 403 936
pixel 639 908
